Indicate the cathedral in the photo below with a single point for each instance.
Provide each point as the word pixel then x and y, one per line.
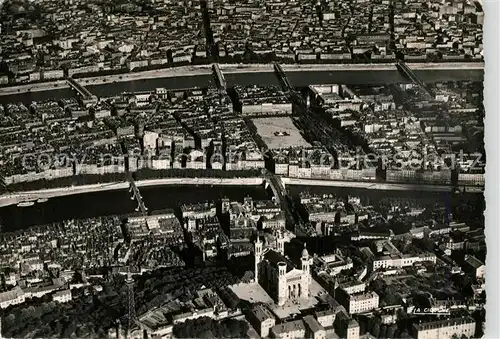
pixel 278 276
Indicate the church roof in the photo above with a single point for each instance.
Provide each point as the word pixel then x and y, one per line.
pixel 274 258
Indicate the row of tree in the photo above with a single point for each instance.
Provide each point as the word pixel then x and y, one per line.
pixel 142 174
pixel 76 180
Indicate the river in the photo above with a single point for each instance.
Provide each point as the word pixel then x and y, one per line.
pixel 371 196
pixel 468 207
pixel 297 78
pixel 89 205
pixel 116 202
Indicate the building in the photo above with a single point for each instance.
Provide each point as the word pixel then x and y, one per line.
pixel 289 330
pixel 314 329
pixel 277 275
pixel 262 101
pixel 345 326
pixel 325 318
pixel 12 297
pixel 62 296
pixel 38 291
pixel 359 302
pixel 474 266
pixel 401 260
pixel 353 287
pixel 445 329
pixel 262 320
pixel 198 211
pixel 332 264
pixel 352 330
pixel 274 222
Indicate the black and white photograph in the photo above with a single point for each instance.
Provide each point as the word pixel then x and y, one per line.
pixel 235 169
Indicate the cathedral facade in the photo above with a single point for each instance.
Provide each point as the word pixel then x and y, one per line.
pixel 278 276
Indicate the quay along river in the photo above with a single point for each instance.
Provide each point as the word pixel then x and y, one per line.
pixel 297 78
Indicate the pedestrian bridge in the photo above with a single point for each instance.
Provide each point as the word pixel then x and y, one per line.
pixel 280 194
pixel 403 67
pixel 219 76
pixel 86 95
pixel 137 196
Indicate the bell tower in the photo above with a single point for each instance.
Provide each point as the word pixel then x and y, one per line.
pixel 305 262
pixel 282 285
pixel 280 242
pixel 258 254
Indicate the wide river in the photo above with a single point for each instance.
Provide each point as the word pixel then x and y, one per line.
pixel 114 202
pixel 297 78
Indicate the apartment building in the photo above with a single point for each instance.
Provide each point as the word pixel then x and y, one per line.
pixel 445 329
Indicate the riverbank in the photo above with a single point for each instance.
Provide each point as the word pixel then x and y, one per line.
pixel 17 197
pixel 184 71
pixel 35 87
pixel 108 79
pixel 383 67
pixel 206 70
pixel 366 185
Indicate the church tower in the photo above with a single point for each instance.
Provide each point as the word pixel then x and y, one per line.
pixel 258 254
pixel 305 262
pixel 282 286
pixel 280 242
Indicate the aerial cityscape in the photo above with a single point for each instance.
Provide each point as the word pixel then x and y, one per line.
pixel 242 169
